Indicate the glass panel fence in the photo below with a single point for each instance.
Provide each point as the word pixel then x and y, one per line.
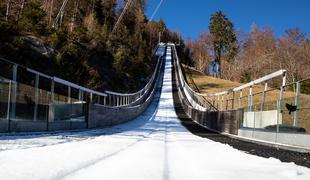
pixel 294 127
pixel 4 97
pixel 303 108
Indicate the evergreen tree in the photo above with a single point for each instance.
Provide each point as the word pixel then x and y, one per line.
pixel 33 17
pixel 98 9
pixel 224 38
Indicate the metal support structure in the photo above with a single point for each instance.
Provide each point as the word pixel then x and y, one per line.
pixel 297 96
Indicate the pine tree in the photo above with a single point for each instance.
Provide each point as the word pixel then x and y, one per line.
pixel 224 38
pixel 98 8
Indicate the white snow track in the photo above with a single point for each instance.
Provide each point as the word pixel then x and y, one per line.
pixel 153 146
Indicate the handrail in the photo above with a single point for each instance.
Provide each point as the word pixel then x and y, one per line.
pixel 152 77
pixel 186 87
pixel 56 79
pixel 121 98
pixel 132 98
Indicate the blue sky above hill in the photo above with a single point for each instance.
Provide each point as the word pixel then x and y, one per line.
pixel 192 16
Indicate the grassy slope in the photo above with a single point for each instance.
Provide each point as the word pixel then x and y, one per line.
pixel 207 84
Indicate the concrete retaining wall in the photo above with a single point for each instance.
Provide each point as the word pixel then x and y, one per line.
pixel 295 139
pixel 261 119
pixel 102 116
pixel 36 126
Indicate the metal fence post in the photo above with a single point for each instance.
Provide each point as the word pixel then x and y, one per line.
pixel 80 95
pixel 52 91
pixel 9 105
pixel 280 103
pixel 91 97
pixel 36 96
pixel 222 101
pixel 69 94
pixel 297 104
pixel 217 103
pixel 116 97
pixel 240 100
pixel 14 92
pixel 233 101
pixel 226 105
pixel 264 97
pixel 250 101
pixel 51 115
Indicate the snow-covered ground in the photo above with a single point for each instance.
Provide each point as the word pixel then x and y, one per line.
pixel 153 146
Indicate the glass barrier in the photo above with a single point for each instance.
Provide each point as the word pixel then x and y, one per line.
pixel 303 108
pixel 28 103
pixel 4 97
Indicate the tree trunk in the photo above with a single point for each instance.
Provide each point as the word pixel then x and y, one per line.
pixel 7 9
pixel 220 64
pixel 218 60
pixel 51 12
pixel 21 9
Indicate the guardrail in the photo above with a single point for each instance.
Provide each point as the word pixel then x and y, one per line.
pixel 130 99
pixel 253 110
pixel 103 116
pixel 33 101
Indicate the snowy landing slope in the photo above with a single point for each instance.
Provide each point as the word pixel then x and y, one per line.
pixel 154 146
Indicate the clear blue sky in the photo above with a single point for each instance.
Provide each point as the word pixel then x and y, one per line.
pixel 192 16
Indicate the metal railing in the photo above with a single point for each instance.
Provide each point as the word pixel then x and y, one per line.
pixel 254 110
pixel 228 100
pixel 130 99
pixel 33 96
pixel 29 95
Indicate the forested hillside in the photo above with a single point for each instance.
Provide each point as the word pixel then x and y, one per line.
pixel 77 44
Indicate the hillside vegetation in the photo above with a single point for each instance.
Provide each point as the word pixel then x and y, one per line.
pixel 79 45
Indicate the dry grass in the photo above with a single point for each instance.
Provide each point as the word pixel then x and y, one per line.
pixel 207 84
